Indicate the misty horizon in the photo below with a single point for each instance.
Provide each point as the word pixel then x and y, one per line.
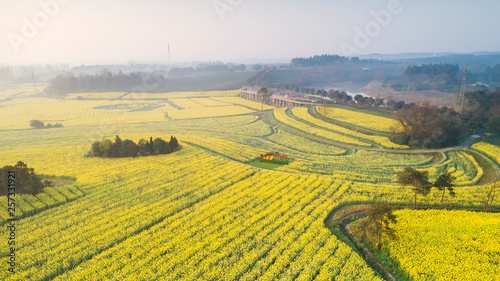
pixel 118 32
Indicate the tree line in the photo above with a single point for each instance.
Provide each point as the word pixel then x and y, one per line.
pixel 431 70
pixel 105 82
pixel 206 68
pixel 441 77
pixel 326 59
pixel 127 148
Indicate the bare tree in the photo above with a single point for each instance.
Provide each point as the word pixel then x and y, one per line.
pixel 489 194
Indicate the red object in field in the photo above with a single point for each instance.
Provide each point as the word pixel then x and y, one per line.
pixel 269 153
pixel 284 156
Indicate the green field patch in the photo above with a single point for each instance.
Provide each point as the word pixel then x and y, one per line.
pixel 267 165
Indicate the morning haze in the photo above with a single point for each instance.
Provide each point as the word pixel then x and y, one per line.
pixel 73 31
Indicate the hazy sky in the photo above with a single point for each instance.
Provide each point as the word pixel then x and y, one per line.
pixel 119 31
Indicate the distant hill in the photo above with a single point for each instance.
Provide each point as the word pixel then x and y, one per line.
pixel 402 56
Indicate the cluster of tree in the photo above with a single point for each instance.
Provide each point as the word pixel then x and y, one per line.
pixel 338 96
pixel 206 68
pixel 26 181
pixel 428 127
pixel 37 124
pixel 219 67
pixel 432 127
pixel 376 103
pixel 128 148
pixel 341 97
pixel 441 77
pixel 418 182
pixel 318 60
pixel 326 59
pixel 482 110
pixel 380 216
pixel 432 70
pixel 104 82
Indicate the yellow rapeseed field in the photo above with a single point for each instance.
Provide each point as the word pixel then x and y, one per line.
pixel 364 120
pixel 202 212
pixel 447 245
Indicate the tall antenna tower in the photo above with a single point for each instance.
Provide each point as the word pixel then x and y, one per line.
pixel 461 97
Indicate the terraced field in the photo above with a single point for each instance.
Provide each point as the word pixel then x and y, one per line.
pixel 202 212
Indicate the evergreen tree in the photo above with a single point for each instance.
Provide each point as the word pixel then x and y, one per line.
pixel 445 182
pixel 173 143
pixel 116 147
pixel 150 146
pixel 417 180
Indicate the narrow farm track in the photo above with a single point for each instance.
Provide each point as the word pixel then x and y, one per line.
pixel 367 255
